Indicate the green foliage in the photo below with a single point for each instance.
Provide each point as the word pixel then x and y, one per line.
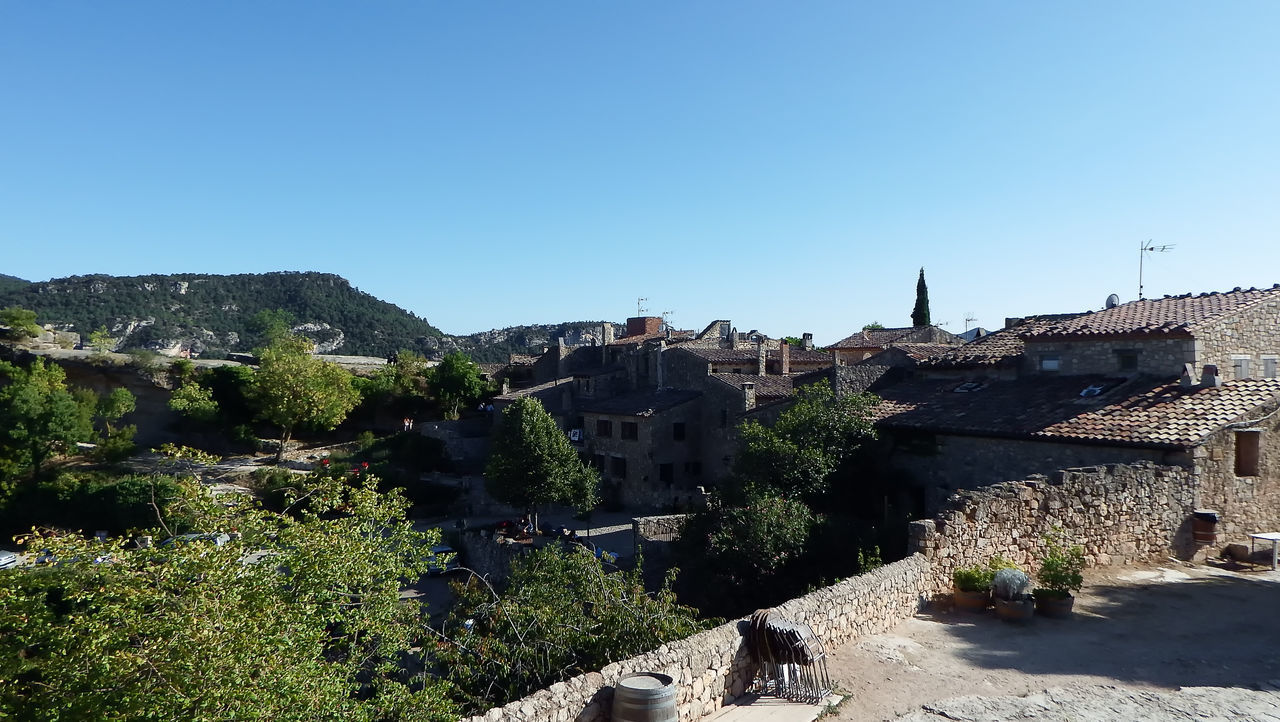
pixel 224 305
pixel 1062 566
pixel 39 416
pixel 978 578
pixel 117 445
pixel 88 500
pixel 456 381
pixel 797 455
pixel 738 558
pixel 294 617
pixel 794 341
pixel 532 462
pixel 295 389
pixel 560 616
pixel 271 325
pixel 194 401
pixel 182 370
pixel 21 322
pixel 100 341
pixel 920 313
pixel 873 326
pixel 145 359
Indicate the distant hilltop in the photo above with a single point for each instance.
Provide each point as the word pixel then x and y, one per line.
pixel 209 315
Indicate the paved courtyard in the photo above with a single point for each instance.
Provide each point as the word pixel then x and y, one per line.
pixel 1173 642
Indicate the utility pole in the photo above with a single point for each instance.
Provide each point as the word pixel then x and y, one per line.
pixel 1143 249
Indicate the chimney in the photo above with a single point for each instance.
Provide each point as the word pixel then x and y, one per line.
pixel 1188 376
pixel 1209 377
pixel 808 341
pixel 748 396
pixel 606 338
pixel 662 346
pixel 761 357
pixel 784 352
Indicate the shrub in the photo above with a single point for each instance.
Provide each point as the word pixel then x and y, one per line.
pixel 1061 566
pixel 972 579
pixel 117 445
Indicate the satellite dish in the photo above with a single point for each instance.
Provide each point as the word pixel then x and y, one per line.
pixel 1113 301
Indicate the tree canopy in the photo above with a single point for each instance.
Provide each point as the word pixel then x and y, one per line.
pixel 296 615
pixel 21 322
pixel 920 313
pixel 456 381
pixel 532 462
pixel 294 389
pixel 40 416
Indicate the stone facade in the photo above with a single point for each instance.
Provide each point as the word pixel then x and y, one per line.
pixel 647 461
pixel 1120 514
pixel 1254 334
pixel 1246 496
pixel 1155 356
pixel 714 668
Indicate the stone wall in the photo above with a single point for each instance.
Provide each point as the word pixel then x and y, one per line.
pixel 1120 514
pixel 941 464
pixel 1248 502
pixel 481 553
pixel 714 668
pixel 1254 333
pixel 652 535
pixel 1156 356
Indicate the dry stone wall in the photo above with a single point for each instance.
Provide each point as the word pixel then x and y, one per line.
pixel 714 668
pixel 1119 513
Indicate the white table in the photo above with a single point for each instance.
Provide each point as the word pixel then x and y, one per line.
pixel 1271 536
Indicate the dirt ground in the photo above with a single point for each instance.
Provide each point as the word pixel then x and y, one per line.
pixel 1137 634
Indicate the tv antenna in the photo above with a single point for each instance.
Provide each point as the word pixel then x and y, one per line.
pixel 968 319
pixel 666 319
pixel 1143 249
pixel 640 309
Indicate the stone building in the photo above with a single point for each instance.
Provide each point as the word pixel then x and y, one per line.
pixel 1113 386
pixel 871 341
pixel 624 402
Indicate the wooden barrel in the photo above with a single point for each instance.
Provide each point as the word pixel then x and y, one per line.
pixel 645 697
pixel 1204 526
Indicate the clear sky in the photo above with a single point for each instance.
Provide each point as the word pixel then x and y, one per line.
pixel 786 165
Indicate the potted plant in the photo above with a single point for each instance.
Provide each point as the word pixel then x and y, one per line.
pixel 972 588
pixel 1060 574
pixel 973 584
pixel 1013 603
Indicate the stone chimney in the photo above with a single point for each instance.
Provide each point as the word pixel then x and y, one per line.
pixel 808 341
pixel 1188 376
pixel 784 353
pixel 1209 377
pixel 762 357
pixel 643 325
pixel 662 346
pixel 748 396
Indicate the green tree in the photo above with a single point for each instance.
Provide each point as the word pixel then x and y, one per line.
pixel 100 341
pixel 532 462
pixel 798 454
pixel 737 558
pixel 294 389
pixel 39 416
pixel 456 381
pixel 194 401
pixel 560 616
pixel 297 616
pixel 920 314
pixel 271 325
pixel 21 322
pixel 873 326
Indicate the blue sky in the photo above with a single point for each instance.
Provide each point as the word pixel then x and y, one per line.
pixel 789 166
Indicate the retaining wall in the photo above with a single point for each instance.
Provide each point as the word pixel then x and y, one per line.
pixel 714 668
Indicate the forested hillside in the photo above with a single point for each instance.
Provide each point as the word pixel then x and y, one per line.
pixel 11 283
pixel 211 314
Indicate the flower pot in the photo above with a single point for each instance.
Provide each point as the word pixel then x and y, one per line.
pixel 1018 610
pixel 1054 605
pixel 972 601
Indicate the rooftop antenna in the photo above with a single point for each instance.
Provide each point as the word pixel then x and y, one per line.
pixel 666 319
pixel 968 319
pixel 1143 249
pixel 640 309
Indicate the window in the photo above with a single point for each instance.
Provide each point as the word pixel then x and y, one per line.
pixel 1247 448
pixel 666 474
pixel 1128 360
pixel 630 431
pixel 677 431
pixel 1050 363
pixel 1241 365
pixel 604 428
pixel 1268 367
pixel 618 467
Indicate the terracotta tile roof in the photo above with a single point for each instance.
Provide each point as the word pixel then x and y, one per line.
pixel 800 355
pixel 1141 412
pixel 1169 316
pixel 725 355
pixel 879 337
pixel 643 403
pixel 996 349
pixel 921 351
pixel 767 387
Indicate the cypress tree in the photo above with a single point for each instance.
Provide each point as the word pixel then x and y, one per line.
pixel 920 314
